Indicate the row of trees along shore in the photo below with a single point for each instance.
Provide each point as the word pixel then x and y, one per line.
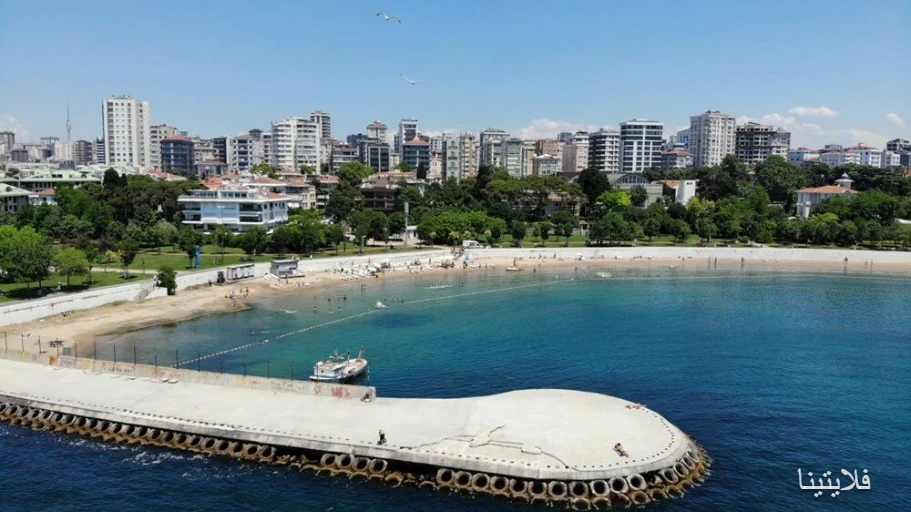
pixel 111 223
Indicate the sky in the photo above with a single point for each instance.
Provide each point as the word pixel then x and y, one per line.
pixel 829 71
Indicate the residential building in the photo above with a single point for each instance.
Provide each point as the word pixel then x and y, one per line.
pixel 377 131
pixel 547 147
pixel 436 144
pixel 809 198
pixel 157 133
pixel 7 141
pixel 127 134
pixel 641 144
pixel 754 143
pixel 48 142
pixel 890 159
pixel 342 154
pixel 222 146
pixel 211 168
pixel 19 155
pixel 868 156
pixel 604 150
pixel 77 153
pixel 676 159
pixel 245 152
pixel 435 171
pixel 546 165
pixel 408 131
pixel 451 161
pixel 511 156
pixel 565 137
pixel 894 145
pixel 295 142
pixel 44 178
pixel 628 180
pixel 376 155
pixel 13 198
pixel 802 156
pixel 839 158
pixel 266 138
pixel 711 138
pixel 416 152
pixel 165 176
pixel 98 153
pixel 528 157
pixel 178 155
pixel 489 141
pixel 238 207
pixel 324 121
pixel 468 157
pixel 47 196
pixel 580 142
pixel 354 139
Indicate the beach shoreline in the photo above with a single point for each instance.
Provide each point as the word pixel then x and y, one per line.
pixel 80 328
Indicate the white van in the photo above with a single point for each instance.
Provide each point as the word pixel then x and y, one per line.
pixel 472 244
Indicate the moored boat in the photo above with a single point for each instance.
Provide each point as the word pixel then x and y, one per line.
pixel 338 368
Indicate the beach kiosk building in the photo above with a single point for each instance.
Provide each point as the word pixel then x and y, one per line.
pixel 283 268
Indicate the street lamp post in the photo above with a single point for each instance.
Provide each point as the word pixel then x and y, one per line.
pixel 221 222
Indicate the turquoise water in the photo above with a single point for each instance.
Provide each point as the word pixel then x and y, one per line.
pixel 769 371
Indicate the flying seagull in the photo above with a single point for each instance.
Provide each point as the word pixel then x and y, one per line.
pixel 388 18
pixel 412 82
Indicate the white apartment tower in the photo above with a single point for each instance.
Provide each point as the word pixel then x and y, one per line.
pixel 157 133
pixel 408 131
pixel 468 148
pixel 711 137
pixel 452 156
pixel 641 143
pixel 325 123
pixel 489 141
pixel 295 142
pixel 126 132
pixel 377 130
pixel 604 151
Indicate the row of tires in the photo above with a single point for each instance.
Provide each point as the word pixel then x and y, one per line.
pixel 43 419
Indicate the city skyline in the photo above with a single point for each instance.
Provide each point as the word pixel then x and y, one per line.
pixel 582 79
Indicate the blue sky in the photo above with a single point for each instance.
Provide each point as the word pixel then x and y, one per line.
pixel 532 67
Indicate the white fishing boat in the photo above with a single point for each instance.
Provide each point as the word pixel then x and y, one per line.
pixel 338 368
pixel 380 305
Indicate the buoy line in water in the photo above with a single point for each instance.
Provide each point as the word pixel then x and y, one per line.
pixel 668 277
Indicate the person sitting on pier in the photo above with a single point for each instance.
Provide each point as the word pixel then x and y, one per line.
pixel 621 450
pixel 382 440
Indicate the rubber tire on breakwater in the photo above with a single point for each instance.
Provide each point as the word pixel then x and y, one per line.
pixel 557 490
pixel 636 482
pixel 445 477
pixel 618 485
pixel 599 488
pixel 499 484
pixel 344 461
pixel 578 489
pixel 674 491
pixel 639 498
pixel 518 488
pixel 378 466
pixel 580 504
pixel 537 489
pixel 669 476
pixel 328 460
pixel 601 503
pixel 688 462
pixel 361 465
pixel 480 482
pixel 463 480
pixel 681 470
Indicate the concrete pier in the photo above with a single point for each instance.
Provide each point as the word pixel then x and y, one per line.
pixel 549 438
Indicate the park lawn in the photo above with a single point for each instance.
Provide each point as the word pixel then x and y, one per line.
pixel 19 291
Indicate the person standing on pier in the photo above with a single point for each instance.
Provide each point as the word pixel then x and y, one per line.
pixel 382 440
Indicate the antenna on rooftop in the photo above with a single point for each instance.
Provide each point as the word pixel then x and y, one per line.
pixel 69 125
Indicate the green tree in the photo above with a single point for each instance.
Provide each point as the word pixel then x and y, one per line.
pixel 402 166
pixel 71 262
pixel 283 238
pixel 162 233
pixel 264 169
pixel 613 200
pixel 651 227
pixel 167 279
pixel 222 236
pixel 518 230
pixel 188 240
pixel 335 234
pixel 307 169
pixel 421 172
pixel 544 228
pixel 397 222
pixel 564 223
pixel 638 196
pixel 311 233
pixel 25 255
pixel 343 201
pixel 593 184
pixel 707 230
pixel 680 230
pixel 354 173
pixel 128 248
pixel 253 240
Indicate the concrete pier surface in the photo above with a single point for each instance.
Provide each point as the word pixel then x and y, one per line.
pixel 536 434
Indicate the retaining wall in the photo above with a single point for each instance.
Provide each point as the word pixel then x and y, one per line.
pixel 304 387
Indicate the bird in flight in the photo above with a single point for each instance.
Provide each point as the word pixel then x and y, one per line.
pixel 412 82
pixel 388 18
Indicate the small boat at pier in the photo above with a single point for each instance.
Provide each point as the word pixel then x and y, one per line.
pixel 380 305
pixel 338 368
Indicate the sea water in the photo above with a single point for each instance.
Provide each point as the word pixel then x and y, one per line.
pixel 771 370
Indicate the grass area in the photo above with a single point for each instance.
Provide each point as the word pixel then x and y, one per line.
pixel 211 256
pixel 21 291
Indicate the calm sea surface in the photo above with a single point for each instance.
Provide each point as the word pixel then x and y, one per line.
pixel 770 371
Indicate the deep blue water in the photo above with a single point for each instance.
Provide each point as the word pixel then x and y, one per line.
pixel 770 372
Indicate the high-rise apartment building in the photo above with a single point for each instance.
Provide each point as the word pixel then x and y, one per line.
pixel 641 143
pixel 894 145
pixel 452 157
pixel 512 152
pixel 246 151
pixel 222 146
pixel 711 137
pixel 377 130
pixel 126 132
pixel 157 133
pixel 325 123
pixel 489 141
pixel 754 143
pixel 415 153
pixel 79 152
pixel 604 151
pixel 178 155
pixel 295 142
pixel 98 151
pixel 408 131
pixel 7 141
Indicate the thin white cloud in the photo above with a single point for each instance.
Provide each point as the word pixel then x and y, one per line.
pixel 743 119
pixel 813 112
pixel 439 133
pixel 867 138
pixel 779 120
pixel 548 129
pixel 9 123
pixel 896 120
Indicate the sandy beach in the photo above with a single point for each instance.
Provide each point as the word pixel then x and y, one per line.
pixel 81 327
